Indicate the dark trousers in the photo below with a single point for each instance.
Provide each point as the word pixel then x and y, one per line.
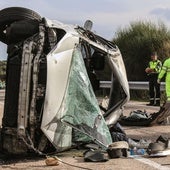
pixel 154 89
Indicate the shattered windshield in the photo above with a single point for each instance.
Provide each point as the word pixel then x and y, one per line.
pixel 84 113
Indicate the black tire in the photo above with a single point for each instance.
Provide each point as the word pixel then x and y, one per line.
pixel 13 14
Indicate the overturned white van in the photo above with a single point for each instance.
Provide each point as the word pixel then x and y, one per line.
pixel 51 83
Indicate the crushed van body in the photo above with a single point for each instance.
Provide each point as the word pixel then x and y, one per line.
pixel 53 76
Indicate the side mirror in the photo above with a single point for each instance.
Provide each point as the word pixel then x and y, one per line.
pixel 88 25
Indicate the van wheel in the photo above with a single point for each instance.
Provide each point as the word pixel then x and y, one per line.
pixel 13 14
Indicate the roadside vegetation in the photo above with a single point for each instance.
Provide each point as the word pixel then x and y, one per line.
pixel 136 44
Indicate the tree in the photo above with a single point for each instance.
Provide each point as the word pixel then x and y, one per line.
pixel 136 44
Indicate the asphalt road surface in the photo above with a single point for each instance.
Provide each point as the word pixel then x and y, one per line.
pixel 73 160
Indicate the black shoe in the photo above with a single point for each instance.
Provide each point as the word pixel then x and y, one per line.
pixel 150 104
pixel 156 104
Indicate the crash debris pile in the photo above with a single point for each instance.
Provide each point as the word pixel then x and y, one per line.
pixel 119 149
pixel 143 118
pixel 122 147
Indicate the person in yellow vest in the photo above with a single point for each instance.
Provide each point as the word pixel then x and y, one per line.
pixel 165 108
pixel 166 70
pixel 153 69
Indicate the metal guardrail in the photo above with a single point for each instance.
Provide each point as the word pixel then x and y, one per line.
pixel 135 85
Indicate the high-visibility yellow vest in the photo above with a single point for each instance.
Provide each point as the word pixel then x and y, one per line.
pixel 165 69
pixel 155 65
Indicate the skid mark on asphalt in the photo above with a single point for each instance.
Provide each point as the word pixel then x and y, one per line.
pixel 151 163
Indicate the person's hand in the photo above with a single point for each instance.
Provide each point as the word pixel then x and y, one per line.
pixel 158 81
pixel 148 70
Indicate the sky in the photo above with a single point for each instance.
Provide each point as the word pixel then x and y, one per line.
pixel 108 16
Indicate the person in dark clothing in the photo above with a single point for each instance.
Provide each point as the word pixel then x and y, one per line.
pixel 152 71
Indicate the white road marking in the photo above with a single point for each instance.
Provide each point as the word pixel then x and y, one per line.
pixel 151 163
